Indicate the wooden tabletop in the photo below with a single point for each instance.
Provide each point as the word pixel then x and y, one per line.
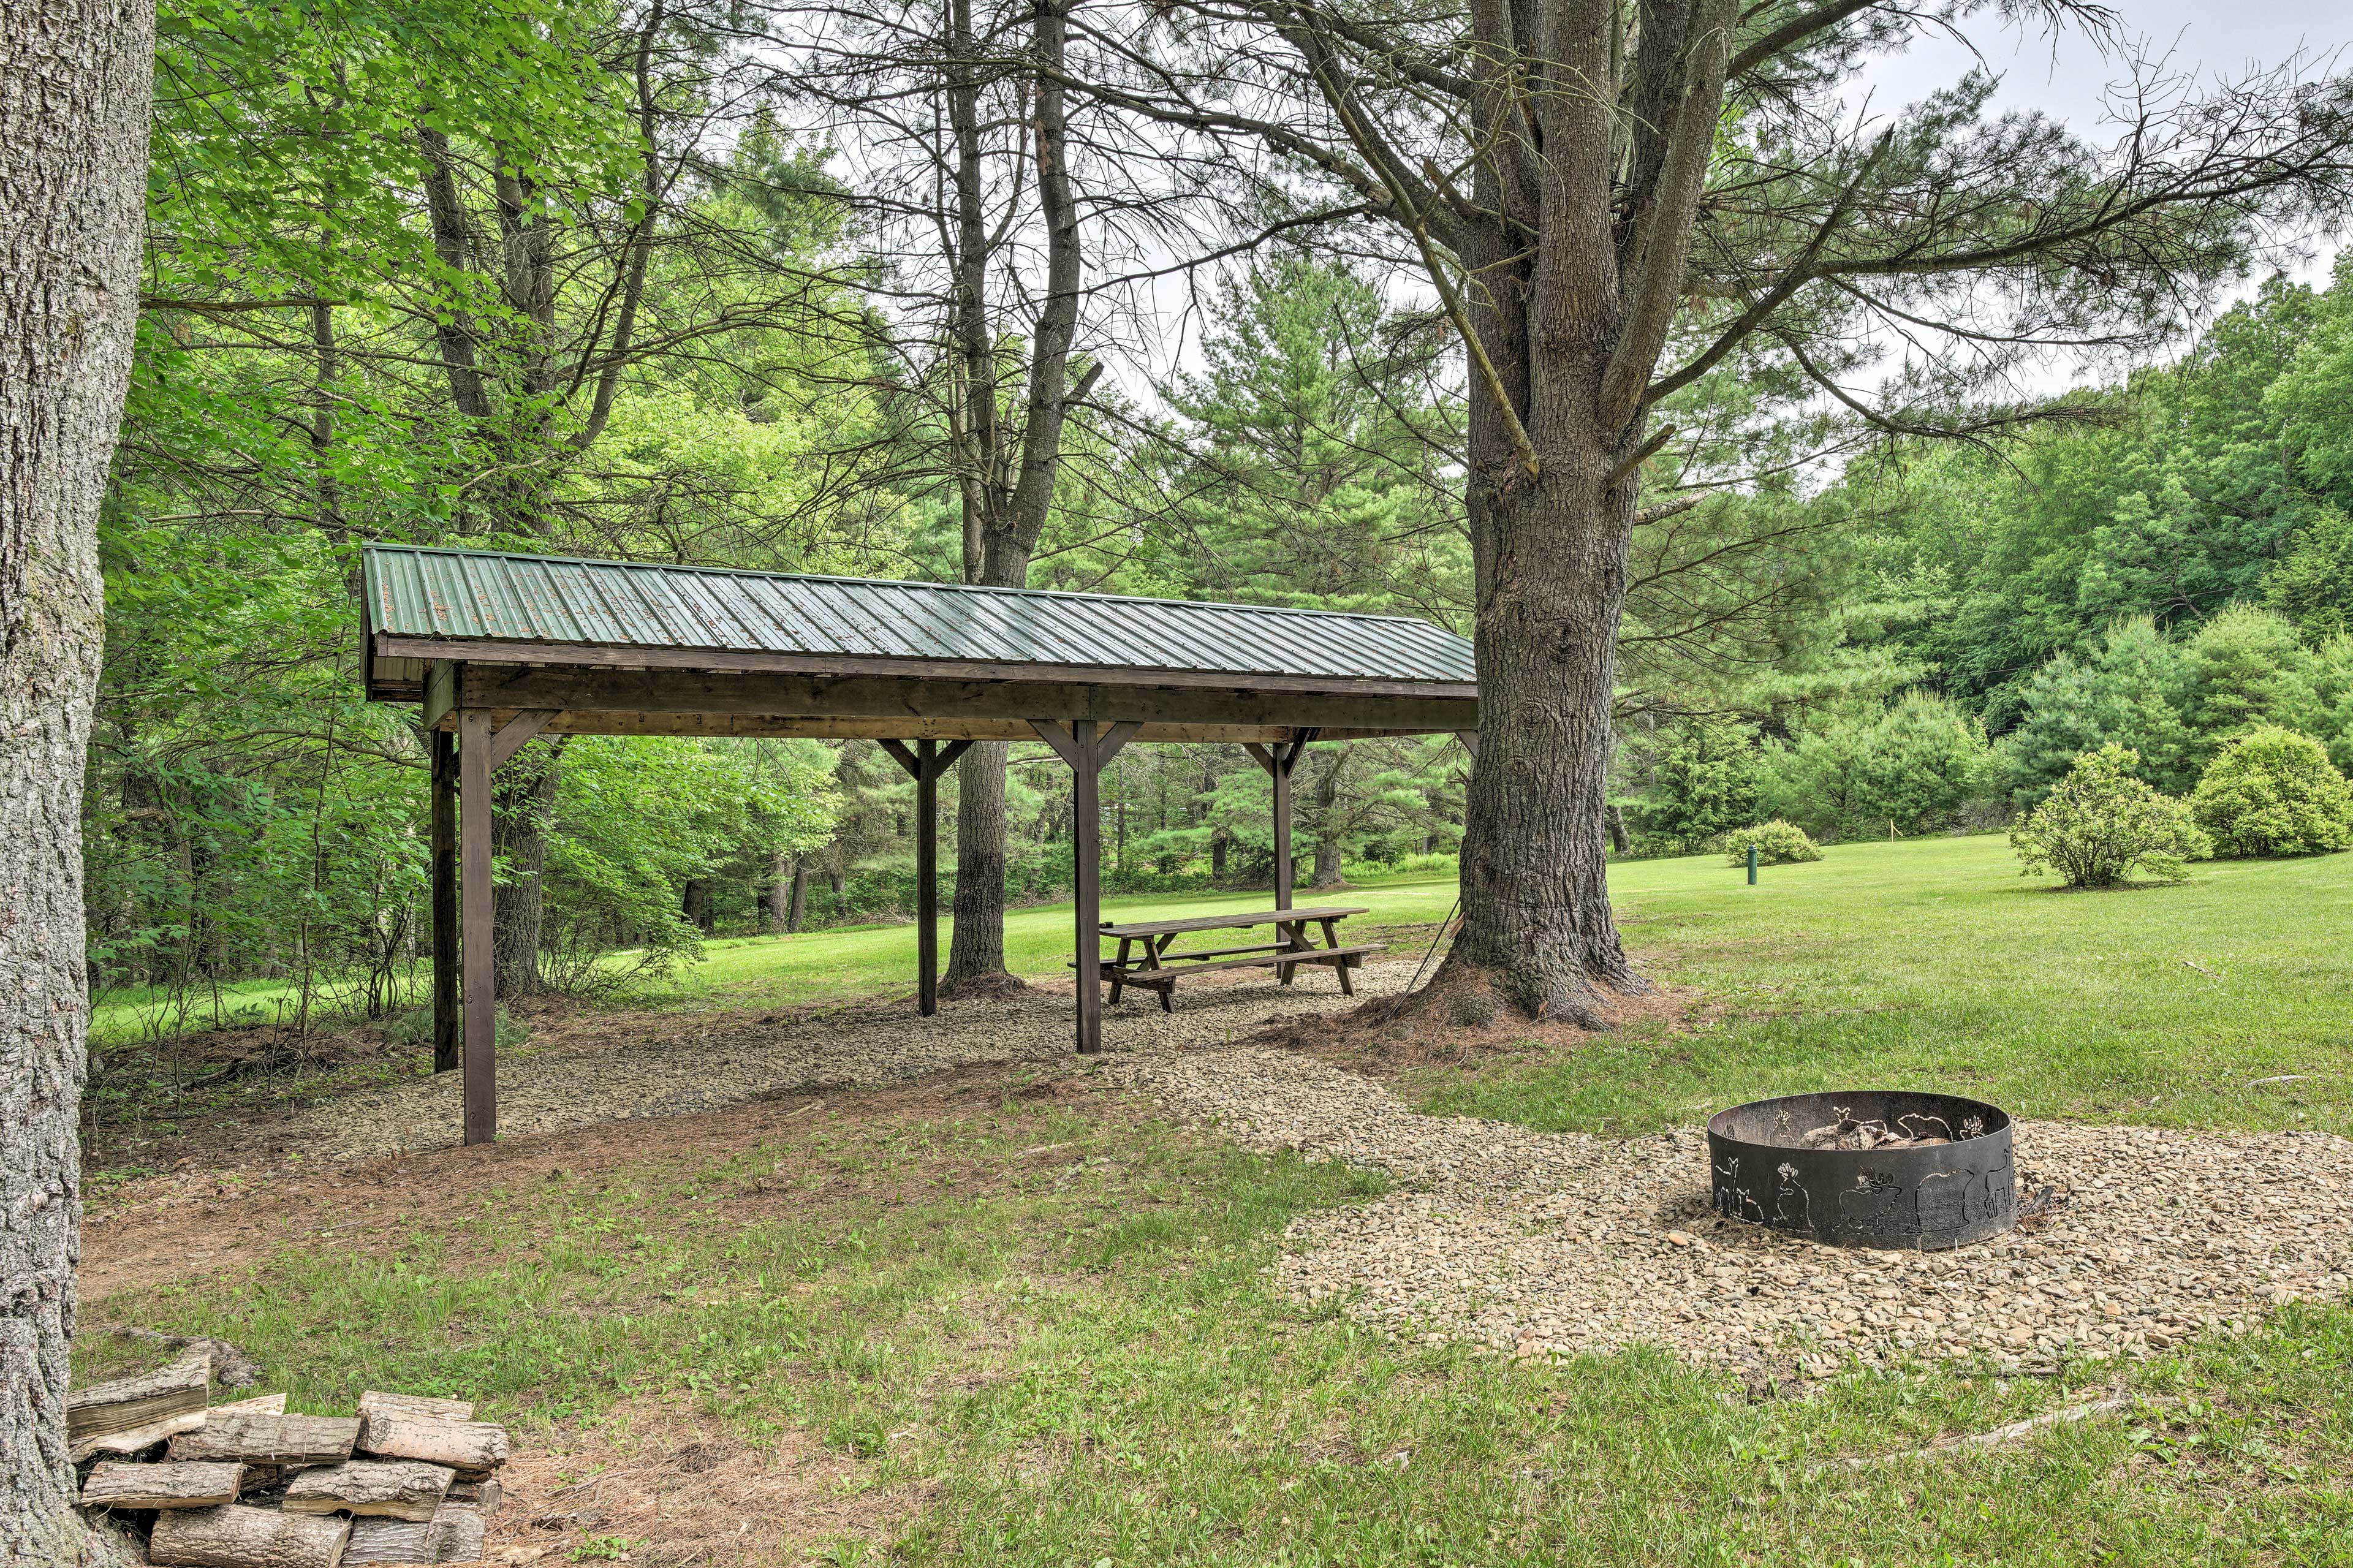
pixel 1221 922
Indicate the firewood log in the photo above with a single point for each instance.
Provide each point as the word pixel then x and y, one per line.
pixel 260 1405
pixel 271 1439
pixel 395 1488
pixel 237 1537
pixel 472 1448
pixel 128 1414
pixel 483 1496
pixel 454 1534
pixel 415 1404
pixel 116 1483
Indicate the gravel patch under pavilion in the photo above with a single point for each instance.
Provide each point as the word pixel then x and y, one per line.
pixel 553 1090
pixel 1535 1244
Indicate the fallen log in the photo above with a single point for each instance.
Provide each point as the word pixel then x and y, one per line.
pixel 117 1483
pixel 454 1534
pixel 264 1439
pixel 472 1448
pixel 415 1404
pixel 125 1414
pixel 260 1405
pixel 393 1489
pixel 237 1537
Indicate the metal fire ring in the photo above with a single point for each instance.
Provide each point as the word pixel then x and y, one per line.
pixel 1931 1197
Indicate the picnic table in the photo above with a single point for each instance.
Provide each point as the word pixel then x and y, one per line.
pixel 1147 960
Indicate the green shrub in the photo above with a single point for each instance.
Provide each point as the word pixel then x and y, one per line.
pixel 2274 792
pixel 1777 843
pixel 2101 823
pixel 414 1027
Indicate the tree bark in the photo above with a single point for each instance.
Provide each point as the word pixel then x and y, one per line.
pixel 74 79
pixel 784 873
pixel 1002 521
pixel 796 913
pixel 522 796
pixel 1326 872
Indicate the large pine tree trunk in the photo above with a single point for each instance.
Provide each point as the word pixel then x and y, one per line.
pixel 74 84
pixel 1535 861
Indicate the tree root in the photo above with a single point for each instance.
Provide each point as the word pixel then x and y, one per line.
pixel 996 987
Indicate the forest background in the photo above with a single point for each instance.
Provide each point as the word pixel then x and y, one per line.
pixel 614 282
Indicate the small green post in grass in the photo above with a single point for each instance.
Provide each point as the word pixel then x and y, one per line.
pixel 1752 865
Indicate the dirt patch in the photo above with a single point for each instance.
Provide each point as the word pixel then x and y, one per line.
pixel 671 1486
pixel 163 1229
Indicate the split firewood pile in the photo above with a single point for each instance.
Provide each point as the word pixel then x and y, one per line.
pixel 245 1485
pixel 1910 1132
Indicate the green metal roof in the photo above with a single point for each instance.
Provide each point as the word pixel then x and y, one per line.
pixel 455 596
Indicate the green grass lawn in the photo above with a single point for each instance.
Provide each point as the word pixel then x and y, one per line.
pixel 1083 1358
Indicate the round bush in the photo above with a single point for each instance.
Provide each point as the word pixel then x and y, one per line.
pixel 2101 823
pixel 2274 792
pixel 1778 843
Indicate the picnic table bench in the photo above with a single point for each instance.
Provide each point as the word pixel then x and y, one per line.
pixel 1146 962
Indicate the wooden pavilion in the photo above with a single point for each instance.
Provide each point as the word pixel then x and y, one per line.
pixel 499 649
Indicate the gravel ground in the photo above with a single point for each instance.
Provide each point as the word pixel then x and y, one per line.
pixel 1536 1244
pixel 552 1090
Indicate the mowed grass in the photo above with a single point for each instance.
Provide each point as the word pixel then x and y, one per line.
pixel 1082 1359
pixel 1081 1353
pixel 1932 963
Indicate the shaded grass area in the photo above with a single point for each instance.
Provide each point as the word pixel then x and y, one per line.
pixel 1081 1355
pixel 1932 963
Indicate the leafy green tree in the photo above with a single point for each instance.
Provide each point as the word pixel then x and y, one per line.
pixel 2133 690
pixel 2274 792
pixel 1314 448
pixel 2311 585
pixel 2103 822
pixel 1912 766
pixel 1706 781
pixel 2248 666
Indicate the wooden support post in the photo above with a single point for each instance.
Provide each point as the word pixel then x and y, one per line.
pixel 1088 754
pixel 925 764
pixel 481 1002
pixel 927 879
pixel 1086 843
pixel 1279 760
pixel 1284 868
pixel 448 1032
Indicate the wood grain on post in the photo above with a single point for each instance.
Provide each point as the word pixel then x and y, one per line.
pixel 125 1414
pixel 472 1448
pixel 454 1534
pixel 392 1488
pixel 116 1483
pixel 261 1439
pixel 479 1007
pixel 239 1537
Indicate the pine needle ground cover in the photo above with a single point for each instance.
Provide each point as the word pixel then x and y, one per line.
pixel 1021 1322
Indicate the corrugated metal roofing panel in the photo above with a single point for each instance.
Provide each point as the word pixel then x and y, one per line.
pixel 457 595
